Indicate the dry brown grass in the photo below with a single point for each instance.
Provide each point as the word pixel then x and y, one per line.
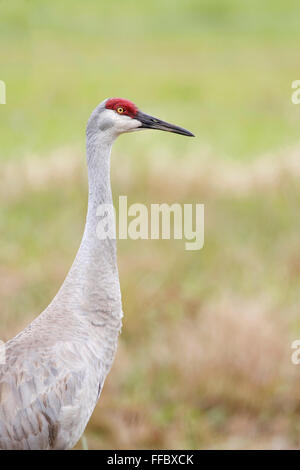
pixel 204 356
pixel 213 175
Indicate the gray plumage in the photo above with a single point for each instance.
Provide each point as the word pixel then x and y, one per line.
pixel 55 368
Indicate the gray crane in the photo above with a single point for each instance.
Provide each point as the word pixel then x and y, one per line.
pixel 56 367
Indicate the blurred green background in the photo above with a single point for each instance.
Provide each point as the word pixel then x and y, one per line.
pixel 204 359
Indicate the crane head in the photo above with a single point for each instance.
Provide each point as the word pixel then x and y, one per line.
pixel 117 116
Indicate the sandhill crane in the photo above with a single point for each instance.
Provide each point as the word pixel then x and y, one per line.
pixel 56 367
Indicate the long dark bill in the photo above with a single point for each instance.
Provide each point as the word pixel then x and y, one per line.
pixel 150 122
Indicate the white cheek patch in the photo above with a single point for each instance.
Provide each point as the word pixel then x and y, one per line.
pixel 109 119
pixel 135 123
pixel 125 123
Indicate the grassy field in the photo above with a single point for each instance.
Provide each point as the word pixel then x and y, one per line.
pixel 204 355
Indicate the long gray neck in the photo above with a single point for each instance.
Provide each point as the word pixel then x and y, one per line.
pixel 91 288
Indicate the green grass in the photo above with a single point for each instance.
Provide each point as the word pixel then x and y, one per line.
pixel 222 68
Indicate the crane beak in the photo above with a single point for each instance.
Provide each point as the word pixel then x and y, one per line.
pixel 150 122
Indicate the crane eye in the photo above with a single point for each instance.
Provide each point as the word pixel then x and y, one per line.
pixel 120 110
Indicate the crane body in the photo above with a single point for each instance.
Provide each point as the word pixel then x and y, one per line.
pixel 56 367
